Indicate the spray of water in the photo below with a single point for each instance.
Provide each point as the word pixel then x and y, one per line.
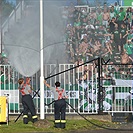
pixel 22 42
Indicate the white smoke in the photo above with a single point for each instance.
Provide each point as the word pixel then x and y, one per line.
pixel 22 42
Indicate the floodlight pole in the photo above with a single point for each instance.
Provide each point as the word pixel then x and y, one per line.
pixel 41 63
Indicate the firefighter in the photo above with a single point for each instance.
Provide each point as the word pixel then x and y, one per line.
pixel 28 105
pixel 59 104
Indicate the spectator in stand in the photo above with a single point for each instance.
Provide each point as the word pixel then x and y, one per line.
pixel 109 47
pixel 112 24
pixel 75 42
pixel 72 59
pixel 69 32
pixel 5 61
pixel 84 22
pixel 89 54
pixel 132 19
pixel 8 76
pixel 79 70
pixel 99 34
pixel 92 17
pixel 112 13
pixel 123 35
pixel 97 46
pixel 107 34
pixel 116 8
pixel 128 47
pixel 77 23
pixel 83 13
pixel 106 54
pixel 125 58
pixel 97 24
pixel 112 43
pixel 121 16
pixel 83 32
pixel 116 38
pixel 5 75
pixel 99 16
pixel 77 13
pixel 86 76
pixel 131 55
pixel 68 56
pixel 128 18
pixel 83 47
pixel 130 35
pixel 105 18
pixel 77 54
pixel 89 27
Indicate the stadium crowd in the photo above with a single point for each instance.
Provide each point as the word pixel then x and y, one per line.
pixel 101 31
pixel 105 32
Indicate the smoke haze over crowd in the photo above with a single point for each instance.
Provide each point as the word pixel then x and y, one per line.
pixel 22 42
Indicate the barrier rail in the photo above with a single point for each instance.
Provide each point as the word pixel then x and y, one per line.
pixel 117 88
pixel 80 92
pixel 83 93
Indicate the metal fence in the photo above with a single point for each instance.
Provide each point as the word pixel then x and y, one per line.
pixel 80 89
pixel 117 87
pixel 80 85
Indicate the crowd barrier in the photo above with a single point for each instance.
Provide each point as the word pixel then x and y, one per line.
pixel 83 94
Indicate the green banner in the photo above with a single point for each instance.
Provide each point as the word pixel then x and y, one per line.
pixel 128 2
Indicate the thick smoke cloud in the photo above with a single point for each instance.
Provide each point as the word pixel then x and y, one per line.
pixel 22 42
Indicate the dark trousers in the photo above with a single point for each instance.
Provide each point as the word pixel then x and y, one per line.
pixel 60 113
pixel 28 106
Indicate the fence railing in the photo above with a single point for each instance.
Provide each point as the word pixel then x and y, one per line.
pixel 82 92
pixel 117 88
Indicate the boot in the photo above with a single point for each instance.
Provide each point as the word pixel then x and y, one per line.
pixel 57 125
pixel 35 120
pixel 25 120
pixel 62 125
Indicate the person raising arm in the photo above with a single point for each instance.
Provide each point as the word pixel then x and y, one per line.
pixel 59 104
